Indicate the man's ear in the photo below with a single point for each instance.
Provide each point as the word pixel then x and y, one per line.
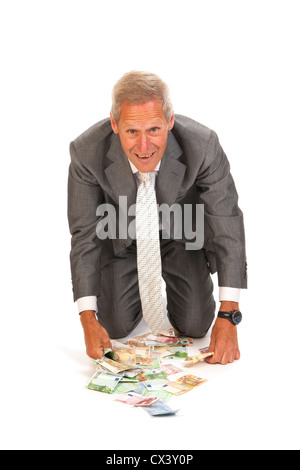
pixel 171 122
pixel 114 124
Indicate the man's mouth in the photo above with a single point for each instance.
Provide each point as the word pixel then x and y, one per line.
pixel 144 157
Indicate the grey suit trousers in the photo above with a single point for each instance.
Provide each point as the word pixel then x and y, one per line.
pixel 189 288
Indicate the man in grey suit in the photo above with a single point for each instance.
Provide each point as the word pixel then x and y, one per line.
pixel 188 167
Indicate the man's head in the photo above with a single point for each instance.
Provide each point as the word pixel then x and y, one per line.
pixel 142 115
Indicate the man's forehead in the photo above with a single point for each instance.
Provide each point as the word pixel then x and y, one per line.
pixel 142 122
pixel 150 112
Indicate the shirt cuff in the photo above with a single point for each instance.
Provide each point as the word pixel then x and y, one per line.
pixel 230 294
pixel 87 303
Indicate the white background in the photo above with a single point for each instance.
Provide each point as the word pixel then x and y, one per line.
pixel 233 65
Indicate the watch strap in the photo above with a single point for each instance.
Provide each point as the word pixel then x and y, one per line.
pixel 230 316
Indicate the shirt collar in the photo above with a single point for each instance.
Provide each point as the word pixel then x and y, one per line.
pixel 135 170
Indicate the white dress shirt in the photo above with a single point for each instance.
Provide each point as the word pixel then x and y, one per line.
pixel 90 302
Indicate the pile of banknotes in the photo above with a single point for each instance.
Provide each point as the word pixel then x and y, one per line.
pixel 139 373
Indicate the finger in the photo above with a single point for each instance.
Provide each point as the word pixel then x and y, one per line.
pixel 105 340
pixel 237 354
pixel 225 359
pixel 95 354
pixel 100 352
pixel 107 344
pixel 216 358
pixel 211 359
pixel 234 354
pixel 231 358
pixel 221 352
pixel 231 355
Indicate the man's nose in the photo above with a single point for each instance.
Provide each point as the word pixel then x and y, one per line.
pixel 144 144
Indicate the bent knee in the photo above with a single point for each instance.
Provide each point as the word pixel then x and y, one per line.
pixel 193 324
pixel 118 329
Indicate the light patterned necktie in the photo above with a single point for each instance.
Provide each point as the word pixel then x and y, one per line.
pixel 148 254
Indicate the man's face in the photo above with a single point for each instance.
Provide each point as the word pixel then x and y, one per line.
pixel 143 131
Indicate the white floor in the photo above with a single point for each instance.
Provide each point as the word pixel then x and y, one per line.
pixel 251 404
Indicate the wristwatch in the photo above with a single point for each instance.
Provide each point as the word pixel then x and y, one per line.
pixel 235 317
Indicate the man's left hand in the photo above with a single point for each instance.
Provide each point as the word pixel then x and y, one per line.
pixel 224 341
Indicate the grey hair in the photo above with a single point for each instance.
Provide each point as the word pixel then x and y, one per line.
pixel 138 87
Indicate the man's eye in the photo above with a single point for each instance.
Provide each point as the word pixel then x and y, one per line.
pixel 154 129
pixel 131 131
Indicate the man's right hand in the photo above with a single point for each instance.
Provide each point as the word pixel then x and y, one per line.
pixel 96 337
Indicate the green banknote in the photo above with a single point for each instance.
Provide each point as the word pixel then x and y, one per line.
pixel 103 382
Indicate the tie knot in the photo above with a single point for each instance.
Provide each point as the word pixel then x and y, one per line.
pixel 145 177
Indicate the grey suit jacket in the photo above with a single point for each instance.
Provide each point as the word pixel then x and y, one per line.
pixel 194 169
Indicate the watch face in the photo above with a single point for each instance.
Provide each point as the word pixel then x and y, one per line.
pixel 237 317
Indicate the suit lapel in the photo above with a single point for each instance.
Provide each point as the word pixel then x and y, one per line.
pixel 119 173
pixel 171 173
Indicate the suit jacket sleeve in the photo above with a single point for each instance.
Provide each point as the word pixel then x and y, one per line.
pixel 84 196
pixel 224 224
